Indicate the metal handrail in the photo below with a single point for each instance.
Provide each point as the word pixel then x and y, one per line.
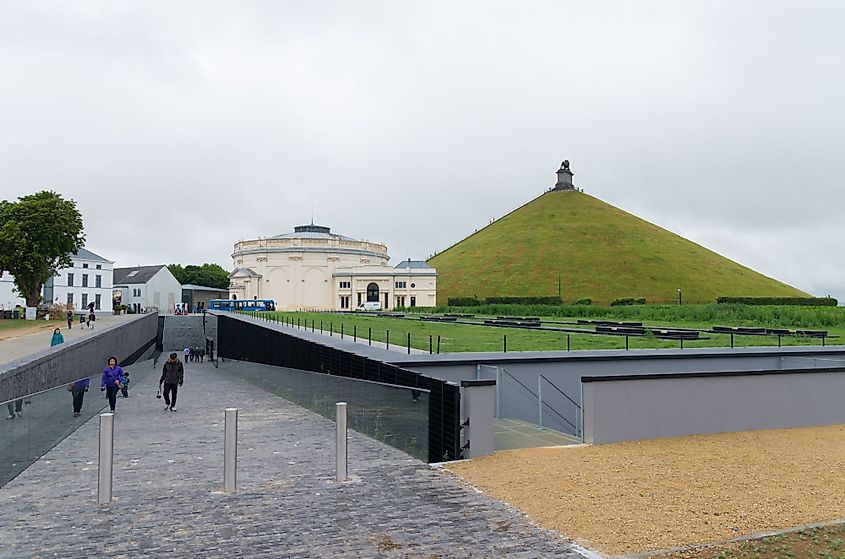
pixel 565 395
pixel 539 400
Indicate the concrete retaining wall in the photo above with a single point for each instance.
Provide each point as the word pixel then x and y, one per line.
pixel 83 357
pixel 629 408
pixel 182 331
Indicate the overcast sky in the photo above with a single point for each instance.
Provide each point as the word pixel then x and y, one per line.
pixel 182 127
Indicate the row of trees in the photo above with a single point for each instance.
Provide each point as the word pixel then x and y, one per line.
pixel 39 234
pixel 209 275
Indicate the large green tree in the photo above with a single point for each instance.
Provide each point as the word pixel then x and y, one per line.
pixel 209 275
pixel 38 236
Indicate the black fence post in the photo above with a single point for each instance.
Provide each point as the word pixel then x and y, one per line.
pixel 823 339
pixel 626 343
pixel 388 339
pixel 354 332
pixel 321 326
pixel 505 342
pixel 429 345
pixel 682 343
pixel 438 344
pixel 567 342
pixel 732 340
pixel 369 335
pixel 409 343
pixel 341 330
pixel 778 340
pixel 331 329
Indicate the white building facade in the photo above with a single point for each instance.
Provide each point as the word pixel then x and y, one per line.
pixel 147 288
pixel 315 269
pixel 87 280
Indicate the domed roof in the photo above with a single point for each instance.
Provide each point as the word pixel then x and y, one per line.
pixel 312 231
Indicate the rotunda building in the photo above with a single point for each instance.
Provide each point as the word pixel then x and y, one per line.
pixel 315 269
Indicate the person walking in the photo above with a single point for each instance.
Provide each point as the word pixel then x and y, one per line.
pixel 172 376
pixel 111 381
pixel 69 319
pixel 187 352
pixel 57 338
pixel 78 390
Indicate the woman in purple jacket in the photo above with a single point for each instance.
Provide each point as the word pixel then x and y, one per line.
pixel 112 381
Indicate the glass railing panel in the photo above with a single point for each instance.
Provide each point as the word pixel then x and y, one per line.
pixel 36 423
pixel 394 415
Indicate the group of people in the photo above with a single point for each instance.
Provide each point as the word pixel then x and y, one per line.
pixel 91 318
pixel 194 354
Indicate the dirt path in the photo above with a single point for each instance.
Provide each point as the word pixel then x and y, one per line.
pixel 658 494
pixel 31 327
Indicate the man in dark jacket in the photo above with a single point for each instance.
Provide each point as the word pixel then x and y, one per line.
pixel 172 376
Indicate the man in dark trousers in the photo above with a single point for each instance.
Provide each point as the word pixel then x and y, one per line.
pixel 172 376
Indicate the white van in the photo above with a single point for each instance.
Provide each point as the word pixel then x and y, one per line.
pixel 369 306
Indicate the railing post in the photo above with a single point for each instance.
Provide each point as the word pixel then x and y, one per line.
pixel 438 344
pixel 778 340
pixel 498 391
pixel 732 340
pixel 369 335
pixel 626 342
pixel 567 342
pixel 505 342
pixel 321 326
pixel 230 450
pixel 540 400
pixel 354 332
pixel 341 330
pixel 105 470
pixel 429 344
pixel 341 464
pixel 409 343
pixel 388 339
pixel 331 329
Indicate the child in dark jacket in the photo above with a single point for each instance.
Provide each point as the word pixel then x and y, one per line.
pixel 125 389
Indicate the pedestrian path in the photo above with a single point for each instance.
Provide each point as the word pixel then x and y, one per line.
pixel 17 347
pixel 169 472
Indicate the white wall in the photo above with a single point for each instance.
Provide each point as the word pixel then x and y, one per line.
pixel 8 297
pixel 162 291
pixel 61 289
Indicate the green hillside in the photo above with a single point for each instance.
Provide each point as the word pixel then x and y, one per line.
pixel 598 250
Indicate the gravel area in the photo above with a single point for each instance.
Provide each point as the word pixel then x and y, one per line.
pixel 640 496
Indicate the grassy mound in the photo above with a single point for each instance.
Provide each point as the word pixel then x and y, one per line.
pixel 598 251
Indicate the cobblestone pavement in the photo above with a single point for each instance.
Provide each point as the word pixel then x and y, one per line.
pixel 168 476
pixel 20 346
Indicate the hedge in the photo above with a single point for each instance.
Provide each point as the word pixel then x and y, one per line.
pixel 463 302
pixel 522 301
pixel 797 301
pixel 584 301
pixel 628 301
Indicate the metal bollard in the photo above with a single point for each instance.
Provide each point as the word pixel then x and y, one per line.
pixel 106 459
pixel 230 450
pixel 341 465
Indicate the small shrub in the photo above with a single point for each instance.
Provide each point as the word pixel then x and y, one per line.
pixel 623 301
pixel 584 301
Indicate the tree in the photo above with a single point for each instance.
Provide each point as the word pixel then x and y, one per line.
pixel 38 236
pixel 208 275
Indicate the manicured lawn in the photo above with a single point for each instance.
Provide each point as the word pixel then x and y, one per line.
pixel 465 337
pixel 11 328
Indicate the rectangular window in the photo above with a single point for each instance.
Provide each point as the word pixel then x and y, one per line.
pixel 99 266
pixel 84 300
pixel 70 280
pixel 84 280
pixel 413 301
pixel 97 301
pixel 400 285
pixel 98 281
pixel 346 285
pixel 70 299
pixel 85 265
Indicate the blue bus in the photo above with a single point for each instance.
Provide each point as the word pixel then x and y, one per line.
pixel 248 305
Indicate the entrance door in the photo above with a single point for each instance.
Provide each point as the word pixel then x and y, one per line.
pixel 372 293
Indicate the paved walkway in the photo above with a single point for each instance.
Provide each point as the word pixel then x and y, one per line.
pixel 15 348
pixel 168 473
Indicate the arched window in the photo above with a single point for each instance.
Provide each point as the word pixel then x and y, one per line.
pixel 372 292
